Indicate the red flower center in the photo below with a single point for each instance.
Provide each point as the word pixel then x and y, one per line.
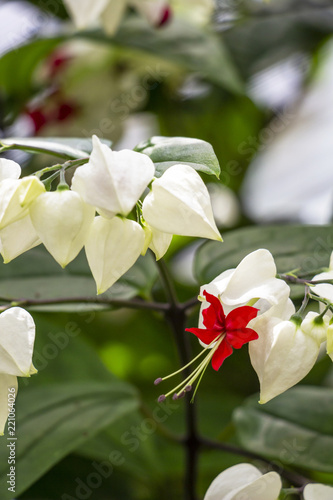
pixel 227 331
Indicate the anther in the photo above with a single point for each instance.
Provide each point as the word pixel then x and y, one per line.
pixel 161 398
pixel 188 388
pixel 158 381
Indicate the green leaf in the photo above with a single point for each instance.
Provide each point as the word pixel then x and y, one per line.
pixel 168 151
pixel 35 275
pixel 306 248
pixel 63 147
pixel 295 428
pixel 57 419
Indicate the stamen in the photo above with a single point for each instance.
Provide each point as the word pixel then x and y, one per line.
pixel 158 381
pixel 186 385
pixel 161 398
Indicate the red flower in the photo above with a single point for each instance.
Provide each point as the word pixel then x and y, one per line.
pixel 227 331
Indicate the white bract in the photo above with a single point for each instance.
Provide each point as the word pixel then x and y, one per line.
pixel 281 356
pixel 112 247
pixel 253 282
pixel 17 238
pixel 17 336
pixel 62 221
pixel 113 181
pixel 179 203
pixel 318 491
pixel 15 197
pixel 9 169
pixel 324 290
pixel 244 481
pixel 316 326
pixel 157 241
pixel 109 13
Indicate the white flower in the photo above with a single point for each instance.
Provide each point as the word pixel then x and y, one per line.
pixel 62 221
pixel 110 12
pixel 17 238
pixel 112 247
pixel 281 356
pixel 15 197
pixel 113 181
pixel 244 481
pixel 318 491
pixel 179 203
pixel 253 283
pixel 17 336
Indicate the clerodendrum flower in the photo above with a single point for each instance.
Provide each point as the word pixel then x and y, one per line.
pixel 62 221
pixel 112 247
pixel 17 238
pixel 317 491
pixel 244 481
pixel 221 335
pixel 17 336
pixel 110 12
pixel 179 203
pixel 282 356
pixel 113 181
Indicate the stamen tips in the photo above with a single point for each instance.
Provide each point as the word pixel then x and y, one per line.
pixel 161 398
pixel 175 396
pixel 188 388
pixel 158 381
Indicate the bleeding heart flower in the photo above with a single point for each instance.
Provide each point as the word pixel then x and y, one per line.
pixel 221 335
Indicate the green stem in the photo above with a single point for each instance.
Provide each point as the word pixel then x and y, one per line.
pixel 131 304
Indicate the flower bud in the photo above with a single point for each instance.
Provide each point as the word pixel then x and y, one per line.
pixel 179 203
pixel 62 221
pixel 113 181
pixel 112 247
pixel 316 326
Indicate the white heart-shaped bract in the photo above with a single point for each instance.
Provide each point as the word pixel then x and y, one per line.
pixel 281 356
pixel 179 203
pixel 62 221
pixel 318 491
pixel 17 238
pixel 17 336
pixel 15 197
pixel 9 169
pixel 112 247
pixel 244 481
pixel 113 181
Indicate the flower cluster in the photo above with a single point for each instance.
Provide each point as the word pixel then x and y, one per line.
pixel 250 304
pixel 111 183
pixel 246 481
pixel 17 336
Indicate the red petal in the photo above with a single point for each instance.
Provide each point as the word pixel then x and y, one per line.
pixel 222 352
pixel 239 318
pixel 213 316
pixel 206 336
pixel 237 338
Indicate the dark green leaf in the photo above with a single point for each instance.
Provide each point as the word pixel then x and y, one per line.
pixel 168 151
pixel 57 419
pixel 295 428
pixel 306 248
